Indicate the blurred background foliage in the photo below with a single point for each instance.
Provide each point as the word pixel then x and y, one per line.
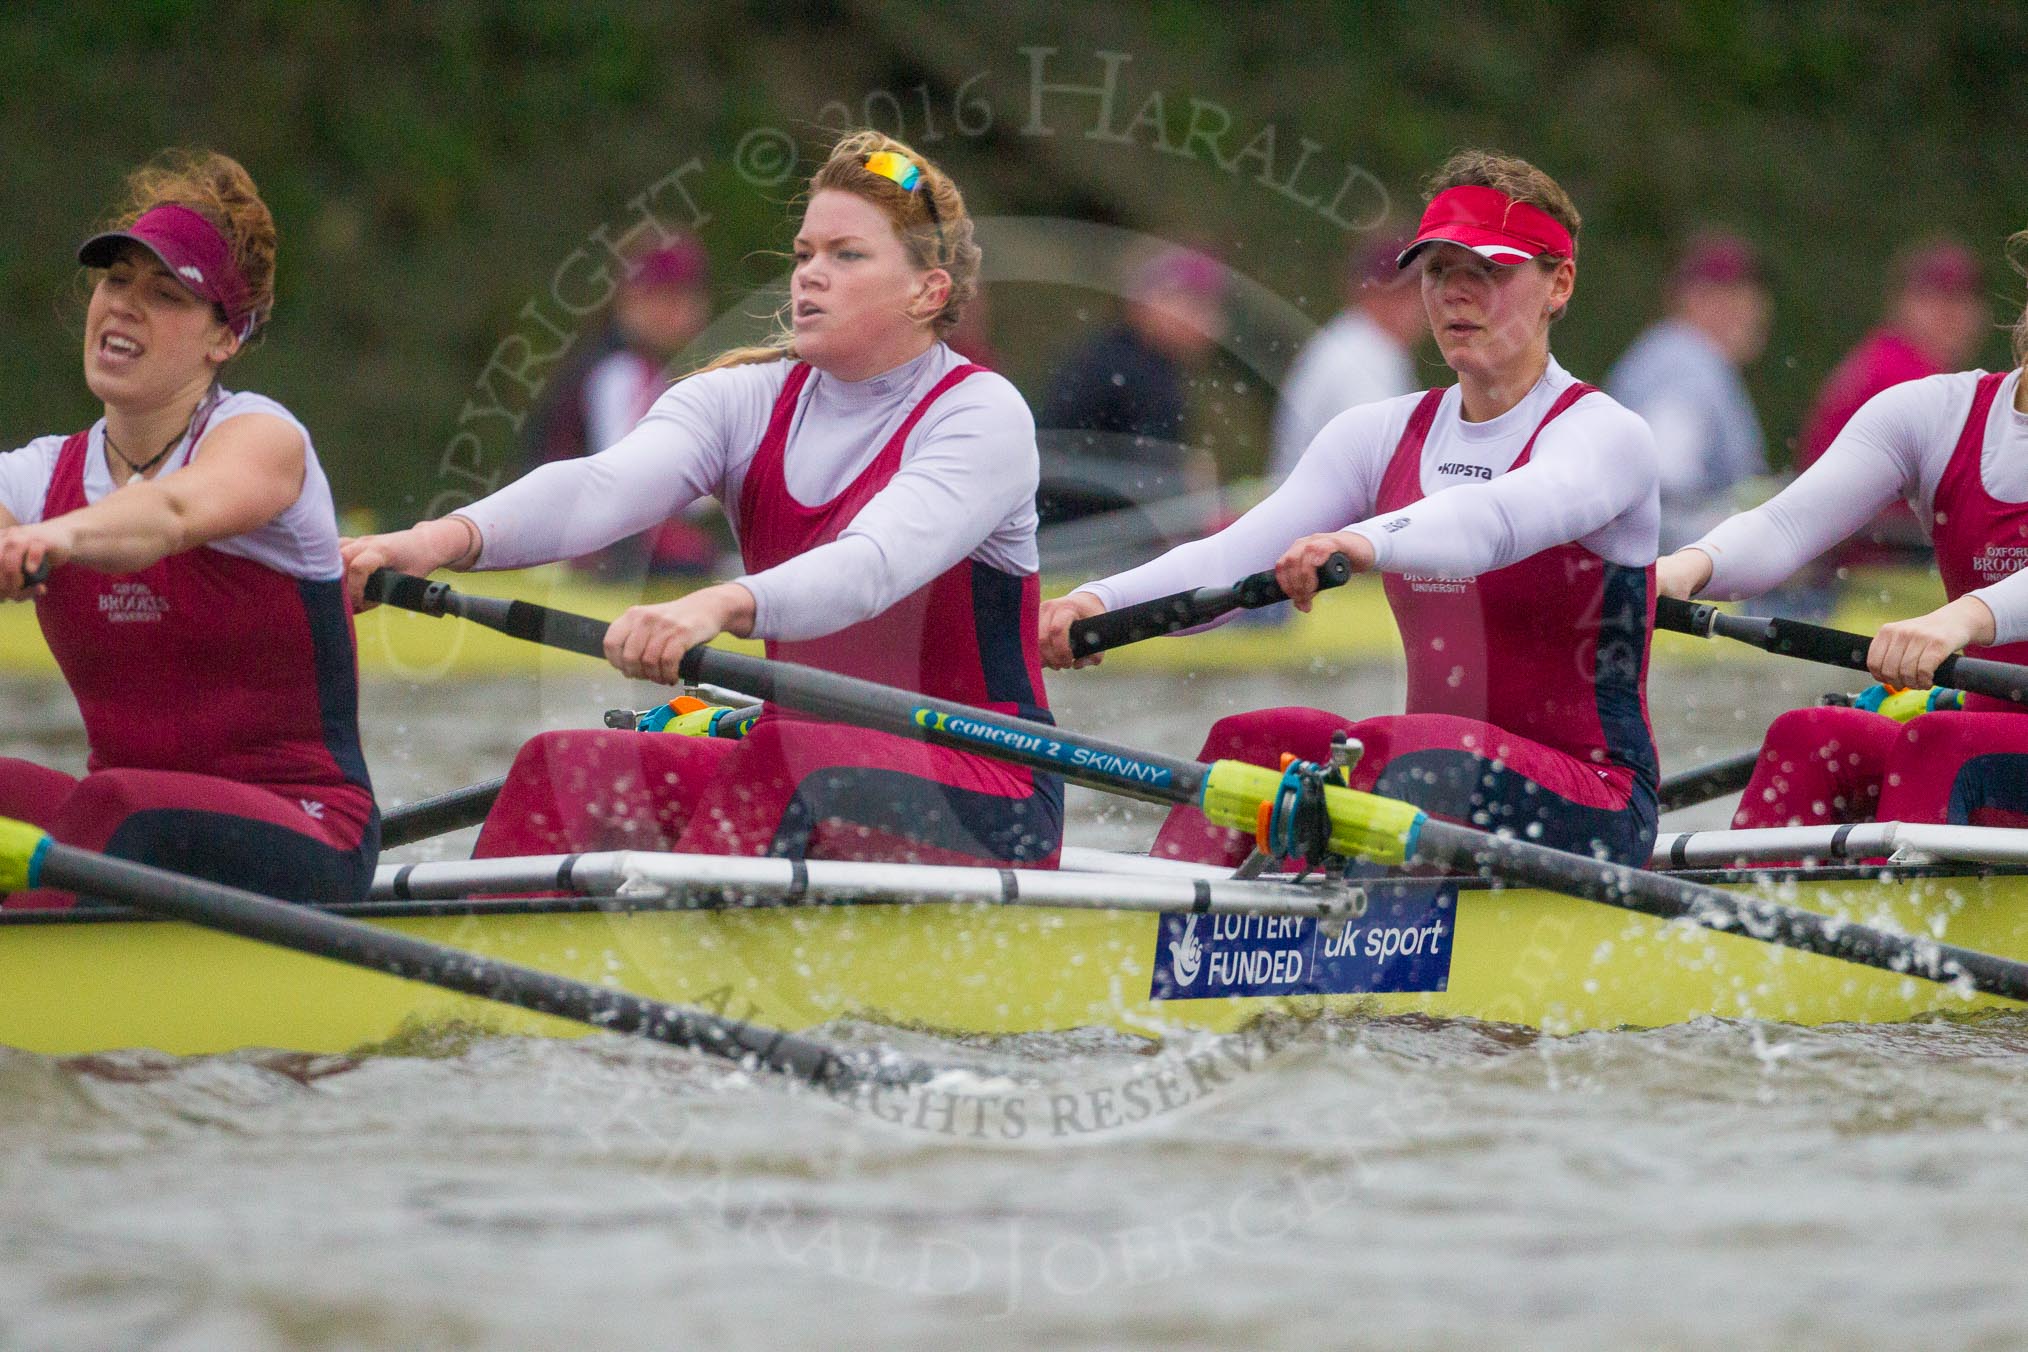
pixel 431 165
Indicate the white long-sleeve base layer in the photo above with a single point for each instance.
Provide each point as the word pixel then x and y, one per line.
pixel 1591 479
pixel 966 486
pixel 301 541
pixel 1896 446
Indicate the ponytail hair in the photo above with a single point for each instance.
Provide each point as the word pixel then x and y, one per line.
pixel 2017 254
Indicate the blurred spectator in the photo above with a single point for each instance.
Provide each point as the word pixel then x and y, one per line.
pixel 1112 428
pixel 1364 354
pixel 1682 375
pixel 1936 316
pixel 1125 388
pixel 661 306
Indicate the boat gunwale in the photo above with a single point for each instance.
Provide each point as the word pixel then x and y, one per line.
pixel 487 907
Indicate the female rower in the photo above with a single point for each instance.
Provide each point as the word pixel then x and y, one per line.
pixel 195 599
pixel 1956 447
pixel 882 490
pixel 1514 515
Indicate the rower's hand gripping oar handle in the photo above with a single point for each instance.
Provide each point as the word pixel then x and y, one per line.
pixel 1187 610
pixel 36 576
pixel 1834 647
pixel 519 619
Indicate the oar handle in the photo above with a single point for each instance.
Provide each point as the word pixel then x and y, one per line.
pixel 36 576
pixel 1187 610
pixel 1835 647
pixel 518 619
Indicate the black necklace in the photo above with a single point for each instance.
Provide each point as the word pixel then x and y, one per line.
pixel 141 469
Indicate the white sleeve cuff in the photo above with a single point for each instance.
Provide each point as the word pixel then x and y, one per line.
pixel 2008 600
pixel 1378 539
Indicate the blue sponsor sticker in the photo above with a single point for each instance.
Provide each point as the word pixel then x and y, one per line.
pixel 1402 943
pixel 1095 762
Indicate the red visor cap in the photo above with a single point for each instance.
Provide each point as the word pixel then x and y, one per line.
pixel 1489 223
pixel 191 248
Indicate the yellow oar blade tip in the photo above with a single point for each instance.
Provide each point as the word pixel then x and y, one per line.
pixel 22 849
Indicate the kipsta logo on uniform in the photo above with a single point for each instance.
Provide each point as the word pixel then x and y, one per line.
pixel 1461 470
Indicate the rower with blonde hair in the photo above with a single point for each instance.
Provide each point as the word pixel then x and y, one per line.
pixel 882 490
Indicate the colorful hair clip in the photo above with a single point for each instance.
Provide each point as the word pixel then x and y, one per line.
pixel 906 174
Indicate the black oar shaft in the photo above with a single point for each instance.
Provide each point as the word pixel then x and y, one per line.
pixel 306 930
pixel 433 816
pixel 1040 746
pixel 1834 647
pixel 823 694
pixel 1656 894
pixel 1703 783
pixel 1187 610
pixel 1138 774
pixel 1119 769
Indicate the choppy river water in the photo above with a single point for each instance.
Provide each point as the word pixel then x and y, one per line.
pixel 1391 1184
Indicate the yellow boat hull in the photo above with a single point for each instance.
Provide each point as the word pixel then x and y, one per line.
pixel 1516 956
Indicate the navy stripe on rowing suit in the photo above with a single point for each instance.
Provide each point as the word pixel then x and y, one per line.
pixel 338 692
pixel 1618 677
pixel 997 621
pixel 1998 781
pixel 242 852
pixel 1492 797
pixel 983 825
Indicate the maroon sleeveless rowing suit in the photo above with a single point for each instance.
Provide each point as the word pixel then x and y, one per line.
pixel 1527 695
pixel 796 787
pixel 221 705
pixel 1831 765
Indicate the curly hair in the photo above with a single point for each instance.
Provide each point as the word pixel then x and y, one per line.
pixel 218 188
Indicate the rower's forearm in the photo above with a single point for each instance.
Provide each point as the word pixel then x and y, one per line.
pixel 1981 619
pixel 128 530
pixel 451 541
pixel 569 508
